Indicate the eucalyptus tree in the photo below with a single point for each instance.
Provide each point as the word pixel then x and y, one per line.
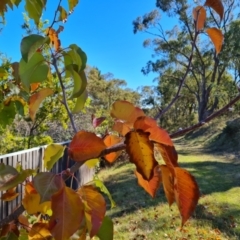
pixel 212 77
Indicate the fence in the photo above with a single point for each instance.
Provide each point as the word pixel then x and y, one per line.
pixel 33 159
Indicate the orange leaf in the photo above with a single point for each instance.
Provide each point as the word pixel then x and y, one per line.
pixel 169 155
pixel 140 151
pixel 126 111
pixel 199 15
pixel 153 184
pixel 53 35
pixel 168 184
pixel 36 99
pixel 122 127
pixel 157 134
pixel 217 6
pixel 67 214
pixel 84 146
pixel 217 38
pixel 94 208
pixel 186 193
pixel 34 86
pixel 39 231
pixel 31 201
pixel 23 220
pixel 10 194
pixel 109 141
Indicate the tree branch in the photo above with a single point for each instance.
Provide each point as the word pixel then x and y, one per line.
pixel 160 114
pixel 208 119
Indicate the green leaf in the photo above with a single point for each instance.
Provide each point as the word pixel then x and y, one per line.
pixel 80 82
pixel 35 9
pixel 103 189
pixel 10 236
pixel 72 60
pixel 62 14
pixel 19 108
pixel 10 177
pixel 47 184
pixel 80 102
pixel 72 4
pixel 52 154
pixel 33 71
pixel 7 114
pixel 3 73
pixel 16 2
pixel 106 230
pixel 92 162
pixel 81 53
pixel 23 234
pixel 30 44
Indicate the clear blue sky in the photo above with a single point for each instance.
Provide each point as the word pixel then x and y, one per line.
pixel 103 29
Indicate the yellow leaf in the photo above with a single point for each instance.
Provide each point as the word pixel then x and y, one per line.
pixel 140 151
pixel 92 162
pixel 52 154
pixel 39 231
pixel 217 38
pixel 126 111
pixel 31 201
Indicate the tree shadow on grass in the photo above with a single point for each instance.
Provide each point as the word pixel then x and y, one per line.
pixel 223 222
pixel 214 176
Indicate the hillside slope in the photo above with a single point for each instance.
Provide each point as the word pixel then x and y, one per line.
pixel 219 135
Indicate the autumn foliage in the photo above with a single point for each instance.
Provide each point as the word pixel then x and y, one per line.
pixel 62 211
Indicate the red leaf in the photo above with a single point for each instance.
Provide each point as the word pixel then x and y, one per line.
pixel 97 121
pixel 157 134
pixel 84 146
pixel 153 184
pixel 217 6
pixel 168 184
pixel 94 208
pixel 186 193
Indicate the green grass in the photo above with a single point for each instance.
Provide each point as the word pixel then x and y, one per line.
pixel 217 216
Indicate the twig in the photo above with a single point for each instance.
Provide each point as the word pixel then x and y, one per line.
pixel 54 63
pixel 161 113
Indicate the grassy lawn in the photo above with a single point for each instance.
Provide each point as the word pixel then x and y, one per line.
pixel 138 216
